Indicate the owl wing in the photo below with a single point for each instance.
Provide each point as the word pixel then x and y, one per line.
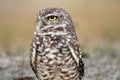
pixel 33 55
pixel 33 59
pixel 76 53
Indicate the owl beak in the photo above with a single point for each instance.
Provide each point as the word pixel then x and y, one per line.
pixel 40 24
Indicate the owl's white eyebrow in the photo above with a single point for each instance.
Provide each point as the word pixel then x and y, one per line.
pixel 51 14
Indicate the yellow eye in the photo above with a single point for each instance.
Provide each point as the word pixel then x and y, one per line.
pixel 52 18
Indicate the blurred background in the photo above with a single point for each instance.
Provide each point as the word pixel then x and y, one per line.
pixel 94 20
pixel 97 23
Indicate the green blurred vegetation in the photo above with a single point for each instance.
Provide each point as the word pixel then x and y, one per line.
pixel 96 22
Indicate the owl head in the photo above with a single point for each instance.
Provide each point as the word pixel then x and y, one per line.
pixel 52 19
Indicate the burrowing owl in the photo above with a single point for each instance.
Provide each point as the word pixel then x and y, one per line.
pixel 55 51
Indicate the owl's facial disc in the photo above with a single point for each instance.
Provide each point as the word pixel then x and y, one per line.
pixel 52 19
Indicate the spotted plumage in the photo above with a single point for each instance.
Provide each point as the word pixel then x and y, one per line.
pixel 55 51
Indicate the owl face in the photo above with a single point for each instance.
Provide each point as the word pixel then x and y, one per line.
pixel 52 18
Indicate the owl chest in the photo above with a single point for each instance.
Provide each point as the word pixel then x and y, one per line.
pixel 53 50
pixel 55 59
